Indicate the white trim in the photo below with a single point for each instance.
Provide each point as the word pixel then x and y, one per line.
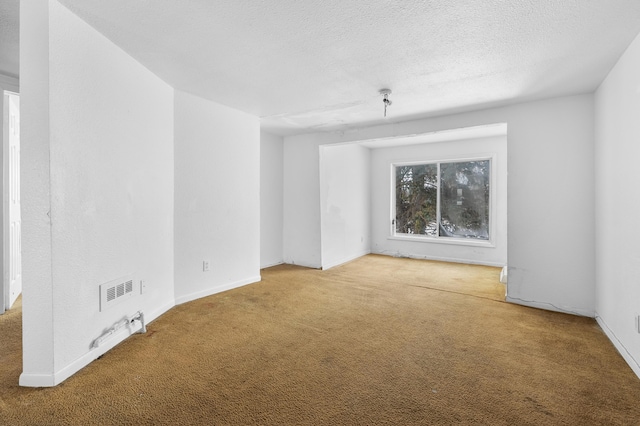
pixel 217 289
pixel 441 259
pixel 551 307
pixel 4 205
pixel 117 338
pixel 462 159
pixel 304 264
pixel 37 380
pixel 158 312
pixel 347 260
pixel 626 355
pixel 8 86
pixel 493 200
pixel 442 240
pixel 269 265
pixel 48 380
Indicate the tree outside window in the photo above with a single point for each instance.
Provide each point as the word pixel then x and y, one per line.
pixel 450 200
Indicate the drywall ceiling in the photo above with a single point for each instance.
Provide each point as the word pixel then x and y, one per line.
pixel 318 65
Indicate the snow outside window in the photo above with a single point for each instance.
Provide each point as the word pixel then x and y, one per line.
pixel 443 199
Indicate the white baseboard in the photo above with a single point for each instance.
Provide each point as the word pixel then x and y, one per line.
pixel 157 312
pixel 345 260
pixel 550 306
pixel 441 259
pixel 269 265
pixel 303 264
pixel 218 289
pixel 38 380
pixel 48 380
pixel 619 346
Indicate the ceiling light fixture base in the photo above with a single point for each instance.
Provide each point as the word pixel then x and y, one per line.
pixel 385 93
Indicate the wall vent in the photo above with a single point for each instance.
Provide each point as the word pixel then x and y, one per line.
pixel 115 291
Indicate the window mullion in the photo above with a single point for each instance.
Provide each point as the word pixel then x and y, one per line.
pixel 438 202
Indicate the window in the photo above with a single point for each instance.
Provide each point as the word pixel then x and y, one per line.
pixel 443 199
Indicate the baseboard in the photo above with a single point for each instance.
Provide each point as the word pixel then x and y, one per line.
pixel 303 264
pixel 551 307
pixel 441 259
pixel 629 359
pixel 149 317
pixel 37 380
pixel 270 265
pixel 48 380
pixel 117 338
pixel 218 289
pixel 346 260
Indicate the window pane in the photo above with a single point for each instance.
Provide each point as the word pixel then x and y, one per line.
pixel 416 199
pixel 464 199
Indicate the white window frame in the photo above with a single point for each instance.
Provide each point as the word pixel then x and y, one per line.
pixel 438 239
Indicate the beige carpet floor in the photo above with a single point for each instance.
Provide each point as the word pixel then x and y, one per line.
pixel 378 341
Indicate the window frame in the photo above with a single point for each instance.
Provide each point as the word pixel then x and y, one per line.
pixel 420 238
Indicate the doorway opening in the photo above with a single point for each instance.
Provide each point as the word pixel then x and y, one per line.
pixel 11 216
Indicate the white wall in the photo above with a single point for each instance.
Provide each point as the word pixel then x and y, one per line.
pixel 617 103
pixel 271 203
pixel 344 203
pixel 301 202
pixel 37 293
pixel 550 203
pixel 381 183
pixel 97 189
pixel 217 197
pixel 103 140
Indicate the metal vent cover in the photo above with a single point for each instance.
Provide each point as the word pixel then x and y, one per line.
pixel 115 291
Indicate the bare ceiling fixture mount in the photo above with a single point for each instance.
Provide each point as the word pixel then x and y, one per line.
pixel 385 93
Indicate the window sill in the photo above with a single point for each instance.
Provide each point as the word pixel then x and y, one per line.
pixel 441 240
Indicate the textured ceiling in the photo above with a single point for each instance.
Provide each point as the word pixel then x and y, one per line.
pixel 318 65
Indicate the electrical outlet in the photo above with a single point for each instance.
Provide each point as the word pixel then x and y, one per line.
pixel 205 265
pixel 143 287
